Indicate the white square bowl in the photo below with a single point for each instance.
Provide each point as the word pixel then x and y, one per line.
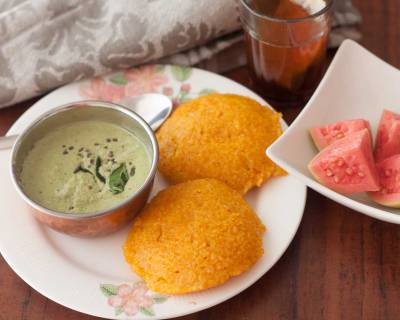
pixel 357 85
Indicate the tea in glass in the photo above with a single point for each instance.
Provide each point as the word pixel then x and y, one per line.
pixel 286 42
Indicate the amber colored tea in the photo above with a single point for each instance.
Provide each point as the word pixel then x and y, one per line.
pixel 286 61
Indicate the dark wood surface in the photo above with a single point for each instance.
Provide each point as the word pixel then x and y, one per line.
pixel 340 265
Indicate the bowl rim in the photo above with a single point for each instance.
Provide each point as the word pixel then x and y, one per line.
pixel 73 105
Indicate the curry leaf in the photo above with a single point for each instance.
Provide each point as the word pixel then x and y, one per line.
pixel 118 179
pixel 98 174
pixel 82 169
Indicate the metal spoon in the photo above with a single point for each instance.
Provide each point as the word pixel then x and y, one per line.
pixel 154 108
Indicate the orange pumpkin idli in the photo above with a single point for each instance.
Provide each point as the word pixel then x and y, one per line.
pixel 220 136
pixel 193 236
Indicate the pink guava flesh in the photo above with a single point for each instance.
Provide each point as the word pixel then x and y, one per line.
pixel 347 165
pixel 388 136
pixel 324 136
pixel 389 178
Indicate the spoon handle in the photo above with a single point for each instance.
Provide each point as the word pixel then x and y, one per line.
pixel 7 142
pixel 159 118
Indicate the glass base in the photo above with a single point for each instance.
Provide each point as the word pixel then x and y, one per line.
pixel 282 99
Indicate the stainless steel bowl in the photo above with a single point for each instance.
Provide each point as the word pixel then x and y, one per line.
pixel 94 223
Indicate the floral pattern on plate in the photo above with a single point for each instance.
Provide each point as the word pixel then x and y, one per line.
pixel 131 299
pixel 145 79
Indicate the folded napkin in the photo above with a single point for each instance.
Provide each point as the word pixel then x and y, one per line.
pixel 46 43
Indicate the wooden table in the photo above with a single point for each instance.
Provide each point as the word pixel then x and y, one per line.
pixel 340 265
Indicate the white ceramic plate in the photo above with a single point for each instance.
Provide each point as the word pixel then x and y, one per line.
pixel 357 85
pixel 90 275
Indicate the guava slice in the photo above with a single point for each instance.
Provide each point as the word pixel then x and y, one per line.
pixel 347 165
pixel 389 178
pixel 388 136
pixel 324 136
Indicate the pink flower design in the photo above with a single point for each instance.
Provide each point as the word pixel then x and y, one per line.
pixel 124 290
pixel 101 90
pixel 131 308
pixel 144 79
pixel 168 91
pixel 186 87
pixel 115 301
pixel 131 299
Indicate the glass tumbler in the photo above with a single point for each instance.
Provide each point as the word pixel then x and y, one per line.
pixel 286 46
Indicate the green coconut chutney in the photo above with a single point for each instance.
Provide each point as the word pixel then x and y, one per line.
pixel 84 167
